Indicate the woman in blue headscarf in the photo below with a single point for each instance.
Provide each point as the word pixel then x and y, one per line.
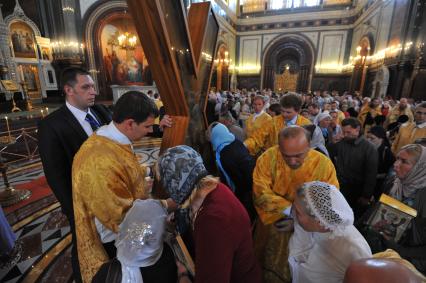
pixel 235 164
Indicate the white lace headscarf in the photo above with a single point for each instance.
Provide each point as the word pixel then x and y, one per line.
pixel 140 238
pixel 328 206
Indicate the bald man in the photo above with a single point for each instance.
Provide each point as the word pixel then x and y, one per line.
pixel 373 270
pixel 279 172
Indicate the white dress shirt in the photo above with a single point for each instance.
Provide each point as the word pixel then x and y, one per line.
pixel 80 115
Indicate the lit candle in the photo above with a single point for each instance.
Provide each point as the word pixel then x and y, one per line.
pixel 42 113
pixel 21 72
pixel 7 126
pixel 47 110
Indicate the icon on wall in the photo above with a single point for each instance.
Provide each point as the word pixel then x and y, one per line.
pixel 22 38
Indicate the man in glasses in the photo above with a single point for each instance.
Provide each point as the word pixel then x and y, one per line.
pixel 279 172
pixel 412 131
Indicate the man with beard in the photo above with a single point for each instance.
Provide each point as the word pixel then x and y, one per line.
pixel 356 162
pixel 401 109
pixel 278 173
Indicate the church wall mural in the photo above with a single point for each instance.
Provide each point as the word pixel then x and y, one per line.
pixel 123 65
pixel 22 38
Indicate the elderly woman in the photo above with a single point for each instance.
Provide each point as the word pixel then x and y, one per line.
pixel 323 122
pixel 325 241
pixel 317 140
pixel 409 186
pixel 223 244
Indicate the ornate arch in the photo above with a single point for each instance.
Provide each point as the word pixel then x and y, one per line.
pixel 91 20
pixel 300 46
pixel 19 15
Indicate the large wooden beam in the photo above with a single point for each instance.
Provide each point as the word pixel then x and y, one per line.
pixel 180 54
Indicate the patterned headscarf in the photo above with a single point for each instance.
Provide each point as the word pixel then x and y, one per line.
pixel 180 168
pixel 329 206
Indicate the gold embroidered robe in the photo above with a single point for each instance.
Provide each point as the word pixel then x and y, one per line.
pixel 407 134
pixel 258 123
pixel 396 112
pixel 107 178
pixel 267 136
pixel 274 188
pixel 363 114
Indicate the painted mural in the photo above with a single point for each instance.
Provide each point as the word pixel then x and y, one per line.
pixel 22 38
pixel 123 66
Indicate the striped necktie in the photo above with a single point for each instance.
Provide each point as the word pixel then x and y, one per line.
pixel 92 121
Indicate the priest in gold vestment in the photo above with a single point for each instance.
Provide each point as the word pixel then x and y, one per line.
pixel 368 113
pixel 107 178
pixel 279 172
pixel 267 136
pixel 259 119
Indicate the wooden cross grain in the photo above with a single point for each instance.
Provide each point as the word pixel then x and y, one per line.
pixel 180 50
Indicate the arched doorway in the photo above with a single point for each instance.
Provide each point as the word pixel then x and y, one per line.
pixel 288 64
pixel 220 78
pixel 109 60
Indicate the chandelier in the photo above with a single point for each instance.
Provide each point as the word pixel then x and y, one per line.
pixel 127 41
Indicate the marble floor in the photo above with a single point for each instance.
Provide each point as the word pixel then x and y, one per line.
pixel 43 246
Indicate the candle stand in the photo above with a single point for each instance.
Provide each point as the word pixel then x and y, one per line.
pixel 8 195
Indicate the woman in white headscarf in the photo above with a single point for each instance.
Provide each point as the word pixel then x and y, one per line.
pixel 317 140
pixel 323 122
pixel 409 187
pixel 325 241
pixel 142 256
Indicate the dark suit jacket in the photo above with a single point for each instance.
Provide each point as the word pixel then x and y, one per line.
pixel 60 136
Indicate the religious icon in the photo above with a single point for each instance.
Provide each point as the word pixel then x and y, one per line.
pixel 124 65
pixel 22 38
pixel 391 218
pixel 9 85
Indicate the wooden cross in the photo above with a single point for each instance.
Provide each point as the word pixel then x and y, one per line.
pixel 180 50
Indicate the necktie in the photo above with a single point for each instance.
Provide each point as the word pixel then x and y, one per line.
pixel 92 121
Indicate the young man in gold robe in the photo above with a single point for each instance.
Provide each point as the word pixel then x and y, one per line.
pixel 107 178
pixel 279 172
pixel 267 136
pixel 259 119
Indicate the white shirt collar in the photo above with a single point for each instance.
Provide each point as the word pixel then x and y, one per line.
pixel 255 115
pixel 292 121
pixel 78 113
pixel 421 126
pixel 110 131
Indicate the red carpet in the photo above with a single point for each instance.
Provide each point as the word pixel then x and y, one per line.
pixel 39 189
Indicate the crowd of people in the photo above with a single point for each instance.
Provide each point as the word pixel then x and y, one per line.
pixel 298 175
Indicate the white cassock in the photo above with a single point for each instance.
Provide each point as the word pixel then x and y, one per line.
pixel 323 257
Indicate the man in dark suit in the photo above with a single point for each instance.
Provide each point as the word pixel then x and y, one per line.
pixel 60 136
